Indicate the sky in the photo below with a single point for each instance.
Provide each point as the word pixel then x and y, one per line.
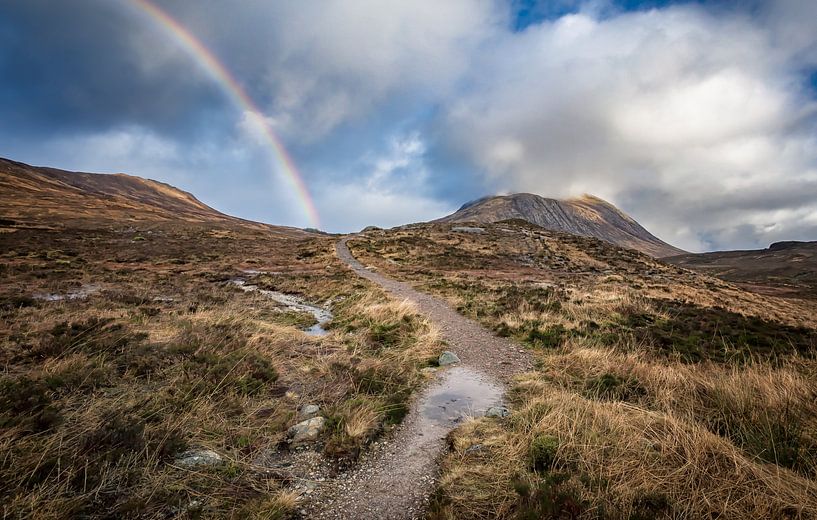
pixel 697 118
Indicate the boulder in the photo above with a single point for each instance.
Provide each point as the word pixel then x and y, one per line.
pixel 448 358
pixel 497 411
pixel 193 458
pixel 305 431
pixel 467 229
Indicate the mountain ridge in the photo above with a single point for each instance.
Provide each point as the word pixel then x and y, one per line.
pixel 587 215
pixel 34 195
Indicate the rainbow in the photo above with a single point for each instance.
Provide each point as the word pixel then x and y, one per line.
pixel 219 73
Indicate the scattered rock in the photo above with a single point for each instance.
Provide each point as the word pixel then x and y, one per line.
pixel 466 229
pixel 308 411
pixel 448 358
pixel 497 411
pixel 305 431
pixel 473 448
pixel 192 458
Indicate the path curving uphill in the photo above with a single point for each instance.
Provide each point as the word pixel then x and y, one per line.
pixel 477 347
pixel 395 479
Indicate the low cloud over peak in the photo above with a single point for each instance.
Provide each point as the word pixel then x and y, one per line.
pixel 698 119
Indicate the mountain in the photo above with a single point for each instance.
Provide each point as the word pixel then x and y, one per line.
pixel 37 196
pixel 785 268
pixel 585 216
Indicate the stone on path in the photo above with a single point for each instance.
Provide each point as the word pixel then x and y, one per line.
pixel 448 358
pixel 497 411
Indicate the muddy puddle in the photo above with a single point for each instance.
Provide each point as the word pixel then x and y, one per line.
pixel 460 393
pixel 293 303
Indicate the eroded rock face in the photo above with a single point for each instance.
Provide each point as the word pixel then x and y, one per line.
pixel 306 431
pixel 448 358
pixel 193 458
pixel 585 216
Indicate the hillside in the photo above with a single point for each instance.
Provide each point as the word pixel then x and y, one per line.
pixel 585 216
pixel 656 391
pixel 785 268
pixel 37 196
pixel 156 353
pixel 162 360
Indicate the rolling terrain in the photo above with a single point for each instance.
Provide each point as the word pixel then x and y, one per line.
pixel 35 196
pixel 159 358
pixel 784 268
pixel 585 216
pixel 657 392
pixel 157 354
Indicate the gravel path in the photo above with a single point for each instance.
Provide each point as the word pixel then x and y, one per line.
pixel 476 346
pixel 395 478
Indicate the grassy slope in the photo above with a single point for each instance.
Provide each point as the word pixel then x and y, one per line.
pixel 658 393
pixel 99 395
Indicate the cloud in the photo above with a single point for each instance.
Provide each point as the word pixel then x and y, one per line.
pixel 675 105
pixel 392 191
pixel 316 66
pixel 699 119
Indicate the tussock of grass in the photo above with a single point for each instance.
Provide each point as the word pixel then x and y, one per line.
pixel 612 459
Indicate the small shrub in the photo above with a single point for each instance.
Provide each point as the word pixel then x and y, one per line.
pixel 651 505
pixel 611 387
pixel 542 452
pixel 27 403
pixel 552 337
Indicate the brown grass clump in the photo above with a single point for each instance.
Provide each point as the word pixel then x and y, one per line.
pixel 562 455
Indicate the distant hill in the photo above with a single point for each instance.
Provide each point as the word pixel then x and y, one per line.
pixel 785 268
pixel 38 196
pixel 585 216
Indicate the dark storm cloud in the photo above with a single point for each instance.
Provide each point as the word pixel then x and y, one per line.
pixel 88 65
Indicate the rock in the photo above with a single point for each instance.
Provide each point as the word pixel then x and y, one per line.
pixel 371 228
pixel 473 448
pixel 305 431
pixel 497 411
pixel 192 458
pixel 308 411
pixel 448 358
pixel 466 229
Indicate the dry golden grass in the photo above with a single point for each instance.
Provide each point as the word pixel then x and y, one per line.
pixel 625 416
pixel 98 396
pixel 614 459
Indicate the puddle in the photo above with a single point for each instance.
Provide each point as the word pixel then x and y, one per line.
pixel 460 393
pixel 80 293
pixel 323 316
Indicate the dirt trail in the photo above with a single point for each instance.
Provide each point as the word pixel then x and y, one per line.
pixel 476 346
pixel 395 479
